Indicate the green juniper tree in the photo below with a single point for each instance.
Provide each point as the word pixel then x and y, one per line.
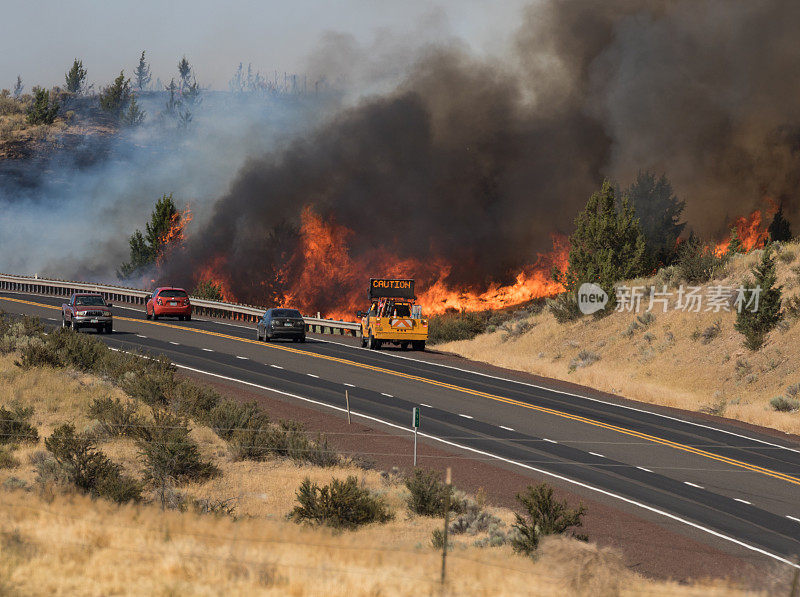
pixel 659 212
pixel 779 229
pixel 754 323
pixel 185 72
pixel 142 74
pixel 114 99
pixel 145 248
pixel 133 115
pixel 43 110
pixel 76 78
pixel 607 245
pixel 735 246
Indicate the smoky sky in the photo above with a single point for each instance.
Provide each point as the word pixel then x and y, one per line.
pixel 479 160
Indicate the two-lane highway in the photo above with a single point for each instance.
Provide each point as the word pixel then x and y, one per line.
pixel 741 486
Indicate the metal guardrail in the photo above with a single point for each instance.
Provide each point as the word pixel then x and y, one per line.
pixel 135 296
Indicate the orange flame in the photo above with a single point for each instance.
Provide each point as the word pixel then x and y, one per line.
pixel 173 238
pixel 215 272
pixel 751 231
pixel 327 272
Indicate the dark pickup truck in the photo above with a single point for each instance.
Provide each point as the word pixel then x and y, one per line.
pixel 87 310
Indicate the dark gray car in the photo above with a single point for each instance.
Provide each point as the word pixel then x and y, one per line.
pixel 282 323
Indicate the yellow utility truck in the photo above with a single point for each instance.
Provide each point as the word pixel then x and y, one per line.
pixel 393 317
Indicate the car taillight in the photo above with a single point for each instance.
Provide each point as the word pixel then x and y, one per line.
pixel 159 301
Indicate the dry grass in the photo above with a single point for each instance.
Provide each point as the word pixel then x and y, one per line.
pixel 64 543
pixel 667 361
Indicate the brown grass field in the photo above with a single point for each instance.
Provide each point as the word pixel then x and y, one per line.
pixel 665 362
pixel 57 542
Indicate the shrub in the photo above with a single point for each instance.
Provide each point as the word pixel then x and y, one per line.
pixel 564 307
pixel 15 426
pixel 194 401
pixel 784 405
pixel 428 493
pixel 696 262
pixel 545 516
pixel 87 468
pixel 342 504
pixel 450 327
pixel 755 325
pixel 585 358
pixel 228 417
pixel 208 290
pixel 117 418
pixel 42 110
pixel 37 353
pixel 7 459
pixel 76 350
pixel 711 332
pixel 169 453
pixel 437 540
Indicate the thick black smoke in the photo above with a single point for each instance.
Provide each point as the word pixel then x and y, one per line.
pixel 477 162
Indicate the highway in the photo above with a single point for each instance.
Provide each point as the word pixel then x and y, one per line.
pixel 737 486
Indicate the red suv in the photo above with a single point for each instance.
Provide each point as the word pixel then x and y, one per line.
pixel 168 302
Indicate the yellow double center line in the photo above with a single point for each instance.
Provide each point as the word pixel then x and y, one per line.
pixel 494 397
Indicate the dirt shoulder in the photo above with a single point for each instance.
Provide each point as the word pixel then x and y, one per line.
pixel 648 548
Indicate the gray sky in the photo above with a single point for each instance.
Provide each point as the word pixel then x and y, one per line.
pixel 40 38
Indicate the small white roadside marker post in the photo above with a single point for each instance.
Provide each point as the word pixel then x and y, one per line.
pixel 415 423
pixel 347 400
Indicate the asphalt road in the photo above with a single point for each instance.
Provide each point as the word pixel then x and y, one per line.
pixel 741 487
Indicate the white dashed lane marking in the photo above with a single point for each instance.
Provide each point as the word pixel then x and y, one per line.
pixel 350 385
pixel 312 375
pixel 387 395
pixel 552 441
pixel 694 485
pixel 506 428
pixel 465 416
pixel 243 358
pixel 426 405
pixel 140 336
pixel 596 454
pixel 276 366
pixel 647 470
pixel 175 343
pixel 793 518
pixel 208 350
pixel 743 501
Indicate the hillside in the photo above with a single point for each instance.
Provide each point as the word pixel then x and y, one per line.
pixel 687 360
pixel 230 531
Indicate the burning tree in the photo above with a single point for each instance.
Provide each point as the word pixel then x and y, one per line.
pixel 165 228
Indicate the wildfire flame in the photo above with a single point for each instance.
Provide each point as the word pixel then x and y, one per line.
pixel 751 231
pixel 329 271
pixel 216 272
pixel 174 236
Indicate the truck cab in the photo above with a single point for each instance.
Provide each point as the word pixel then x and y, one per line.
pixel 393 318
pixel 87 310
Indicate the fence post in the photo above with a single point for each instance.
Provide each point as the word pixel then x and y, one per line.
pixel 347 401
pixel 448 480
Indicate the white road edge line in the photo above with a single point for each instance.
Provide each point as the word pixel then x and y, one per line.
pixel 509 461
pixel 693 485
pixel 793 518
pixel 506 428
pixel 743 501
pixel 565 393
pixel 596 454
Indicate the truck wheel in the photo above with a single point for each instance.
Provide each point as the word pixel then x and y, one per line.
pixel 109 328
pixel 419 345
pixel 363 341
pixel 404 345
pixel 188 317
pixel 372 343
pixel 64 323
pixel 147 315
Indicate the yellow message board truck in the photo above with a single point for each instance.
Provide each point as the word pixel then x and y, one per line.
pixel 392 317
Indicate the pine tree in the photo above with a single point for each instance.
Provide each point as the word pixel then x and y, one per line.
pixel 173 103
pixel 42 111
pixel 735 246
pixel 115 98
pixel 76 78
pixel 145 248
pixel 18 87
pixel 780 230
pixel 659 212
pixel 133 116
pixel 142 73
pixel 607 245
pixel 185 72
pixel 755 325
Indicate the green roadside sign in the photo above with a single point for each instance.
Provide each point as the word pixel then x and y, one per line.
pixel 416 417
